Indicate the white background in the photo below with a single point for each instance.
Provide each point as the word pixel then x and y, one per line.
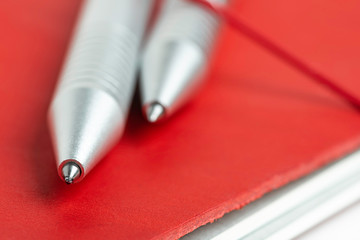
pixel 344 225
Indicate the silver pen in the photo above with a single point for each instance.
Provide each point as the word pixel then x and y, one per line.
pixel 175 57
pixel 91 104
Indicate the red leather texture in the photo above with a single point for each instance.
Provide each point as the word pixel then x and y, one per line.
pixel 256 125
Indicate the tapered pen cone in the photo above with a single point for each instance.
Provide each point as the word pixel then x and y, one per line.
pixel 70 172
pixel 85 124
pixel 170 74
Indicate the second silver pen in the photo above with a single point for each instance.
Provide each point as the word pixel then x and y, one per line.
pixel 175 57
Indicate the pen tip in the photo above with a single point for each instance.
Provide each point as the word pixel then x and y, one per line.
pixel 155 112
pixel 70 172
pixel 68 180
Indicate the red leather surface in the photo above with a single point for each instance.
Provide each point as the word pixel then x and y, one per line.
pixel 256 125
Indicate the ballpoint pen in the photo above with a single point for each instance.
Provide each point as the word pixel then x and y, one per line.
pixel 175 57
pixel 89 109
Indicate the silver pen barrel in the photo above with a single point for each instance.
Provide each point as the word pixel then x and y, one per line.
pixel 92 100
pixel 175 57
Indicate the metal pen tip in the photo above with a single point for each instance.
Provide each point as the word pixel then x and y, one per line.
pixel 68 180
pixel 70 172
pixel 155 112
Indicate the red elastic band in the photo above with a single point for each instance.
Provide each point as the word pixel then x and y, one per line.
pixel 233 20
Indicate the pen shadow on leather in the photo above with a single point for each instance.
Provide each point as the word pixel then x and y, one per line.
pixel 44 168
pixel 137 127
pixel 44 164
pixel 136 123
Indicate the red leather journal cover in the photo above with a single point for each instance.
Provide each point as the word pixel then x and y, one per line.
pixel 256 125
